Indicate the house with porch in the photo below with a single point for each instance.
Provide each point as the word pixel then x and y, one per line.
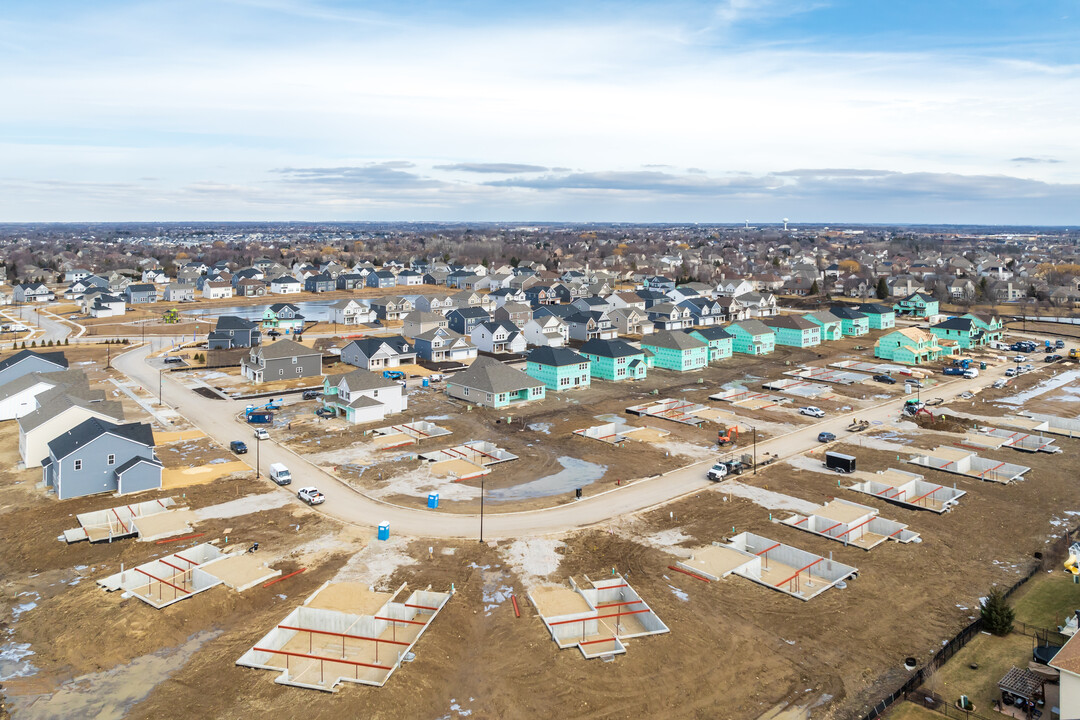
pixel 917 305
pixel 282 360
pixel 546 331
pixel 752 337
pixel 498 338
pixel 361 396
pixel 853 323
pixel 961 331
pixel 392 309
pixel 758 305
pixel 616 360
pixel 489 383
pixel 678 351
pixel 718 339
pixel 464 319
pixel 908 346
pixel 349 312
pixel 879 316
pixel 283 317
pixel 585 326
pixel 378 353
pixel 558 368
pixel 285 285
pixel 418 322
pixel 443 345
pixel 631 321
pixel 668 316
pixel 832 327
pixel 794 330
pixel 991 325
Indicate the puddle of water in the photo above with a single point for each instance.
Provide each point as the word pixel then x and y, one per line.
pixel 13 662
pixel 575 473
pixel 1044 387
pixel 540 427
pixel 110 694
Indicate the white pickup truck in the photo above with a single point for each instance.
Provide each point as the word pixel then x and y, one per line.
pixel 311 496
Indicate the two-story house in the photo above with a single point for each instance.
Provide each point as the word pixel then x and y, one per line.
pixel 378 353
pixel 283 317
pixel 463 320
pixel 752 337
pixel 676 350
pixel 498 338
pixel 349 312
pixel 546 331
pixel 282 360
pixel 362 397
pixel 616 360
pixel 139 293
pixel 233 332
pixel 558 368
pixel 98 456
pixel 443 345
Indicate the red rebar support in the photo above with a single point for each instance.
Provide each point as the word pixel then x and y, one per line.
pixel 186 537
pixel 283 577
pixel 687 572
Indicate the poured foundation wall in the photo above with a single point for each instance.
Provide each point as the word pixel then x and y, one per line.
pixel 910 490
pixel 960 462
pixel 788 569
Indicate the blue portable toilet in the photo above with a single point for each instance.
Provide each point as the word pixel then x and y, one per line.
pixel 433 500
pixel 384 531
pixel 425 382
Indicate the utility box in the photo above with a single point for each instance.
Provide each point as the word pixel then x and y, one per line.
pixel 840 462
pixel 384 531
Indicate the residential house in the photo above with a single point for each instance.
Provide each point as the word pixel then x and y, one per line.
pixel 676 350
pixel 961 331
pixel 76 274
pixel 468 298
pixel 251 287
pixel 538 295
pixel 32 292
pixel 217 290
pixel 361 396
pixel 418 322
pixel 24 394
pixel 917 305
pixel 718 339
pixel 25 362
pixel 880 317
pixel 514 313
pixel 349 312
pixel 464 319
pixel 1067 662
pixel 285 285
pixel 703 312
pixel 991 325
pixel 558 368
pixel 498 338
pixel 434 303
pixel 616 360
pixel 106 305
pixel 590 304
pixel 443 345
pixel 283 317
pixel 98 456
pixel 58 412
pixel 752 337
pixel 735 287
pixel 392 308
pixel 586 326
pixel 794 330
pixel 505 295
pixel 179 292
pixel 381 279
pixel 626 300
pixel 545 331
pixel 668 316
pixel 631 321
pixel 853 323
pixel 233 332
pixel 489 383
pixel 832 326
pixel 409 278
pixel 378 353
pixel 350 281
pixel 908 346
pixel 140 293
pixel 758 305
pixel 658 283
pixel 281 360
pixel 319 283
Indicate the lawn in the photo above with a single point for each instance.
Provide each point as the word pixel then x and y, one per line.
pixel 911 711
pixel 994 655
pixel 1048 599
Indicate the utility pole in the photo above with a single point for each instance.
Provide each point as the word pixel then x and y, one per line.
pixel 481 508
pixel 754 429
pixel 258 455
pixel 160 373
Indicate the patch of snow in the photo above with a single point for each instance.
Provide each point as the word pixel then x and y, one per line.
pixel 376 562
pixel 533 558
pixel 439 417
pixel 243 506
pixel 13 662
pixel 681 594
pixel 540 427
pixel 767 498
pixel 420 482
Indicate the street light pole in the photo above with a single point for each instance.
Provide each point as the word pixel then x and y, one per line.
pixel 754 429
pixel 481 508
pixel 159 374
pixel 258 455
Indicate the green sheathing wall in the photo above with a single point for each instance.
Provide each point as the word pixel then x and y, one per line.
pixel 718 349
pixel 829 330
pixel 855 328
pixel 797 338
pixel 606 368
pixel 886 321
pixel 992 331
pixel 679 360
pixel 919 308
pixel 963 339
pixel 553 377
pixel 744 342
pixel 892 347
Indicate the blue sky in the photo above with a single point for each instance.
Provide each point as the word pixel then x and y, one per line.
pixel 817 110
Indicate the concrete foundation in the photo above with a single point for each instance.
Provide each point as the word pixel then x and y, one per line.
pixel 800 388
pixel 150 520
pixel 1053 424
pixel 1015 439
pixel 788 569
pixel 595 617
pixel 852 524
pixel 910 490
pixel 618 434
pixel 407 434
pixel 963 462
pixel 829 375
pixel 355 636
pixel 679 411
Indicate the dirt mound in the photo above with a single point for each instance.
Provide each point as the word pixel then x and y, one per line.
pixel 940 422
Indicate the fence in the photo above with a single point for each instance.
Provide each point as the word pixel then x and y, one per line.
pixel 1057 548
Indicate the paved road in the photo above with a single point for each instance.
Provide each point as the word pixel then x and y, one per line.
pixel 217 418
pixel 31 315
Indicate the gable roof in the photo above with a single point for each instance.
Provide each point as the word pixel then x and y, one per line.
pixel 491 376
pixel 876 309
pixel 673 341
pixel 710 333
pixel 846 313
pixel 956 323
pixel 234 322
pixel 789 322
pixel 753 327
pixel 58 401
pixel 370 345
pixel 92 428
pixel 362 380
pixel 56 358
pixel 610 348
pixel 555 357
pixel 284 349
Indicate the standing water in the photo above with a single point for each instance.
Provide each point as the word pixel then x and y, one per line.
pixel 575 473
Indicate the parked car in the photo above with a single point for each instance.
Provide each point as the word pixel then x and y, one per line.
pixel 825 437
pixel 1052 358
pixel 311 496
pixel 261 434
pixel 1000 383
pixel 1059 344
pixel 887 379
pixel 1029 368
pixel 1010 372
pixel 811 411
pixel 325 412
pixel 312 394
pixel 173 360
pixel 971 373
pixel 1019 359
pixel 280 474
pixel 717 472
pixel 238 447
pixel 273 334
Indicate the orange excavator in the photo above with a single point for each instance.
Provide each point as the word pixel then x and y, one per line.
pixel 731 436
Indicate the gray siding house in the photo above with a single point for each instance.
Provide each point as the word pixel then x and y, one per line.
pixel 25 362
pixel 233 332
pixel 98 456
pixel 376 353
pixel 179 292
pixel 281 360
pixel 138 293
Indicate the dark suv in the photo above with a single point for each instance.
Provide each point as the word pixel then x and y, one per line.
pixel 312 394
pixel 238 447
pixel 887 379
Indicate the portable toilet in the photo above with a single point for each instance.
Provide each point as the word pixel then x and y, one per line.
pixel 425 382
pixel 384 531
pixel 433 500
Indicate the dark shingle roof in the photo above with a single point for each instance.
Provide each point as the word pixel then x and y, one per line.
pixel 93 428
pixel 710 333
pixel 555 357
pixel 57 358
pixel 609 348
pixel 673 340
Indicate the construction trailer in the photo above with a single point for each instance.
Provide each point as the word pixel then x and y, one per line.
pixel 345 633
pixel 963 462
pixel 792 571
pixel 595 618
pixel 852 524
pixel 839 462
pixel 910 490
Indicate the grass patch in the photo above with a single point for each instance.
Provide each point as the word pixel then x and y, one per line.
pixel 994 655
pixel 1047 600
pixel 910 711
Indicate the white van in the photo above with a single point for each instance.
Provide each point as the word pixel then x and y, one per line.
pixel 971 373
pixel 280 474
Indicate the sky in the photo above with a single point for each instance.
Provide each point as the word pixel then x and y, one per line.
pixel 821 111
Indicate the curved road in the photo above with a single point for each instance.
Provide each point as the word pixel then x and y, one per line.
pixel 217 418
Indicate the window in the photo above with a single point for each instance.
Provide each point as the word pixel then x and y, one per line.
pixel 294 360
pixel 111 460
pixel 280 372
pixel 78 464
